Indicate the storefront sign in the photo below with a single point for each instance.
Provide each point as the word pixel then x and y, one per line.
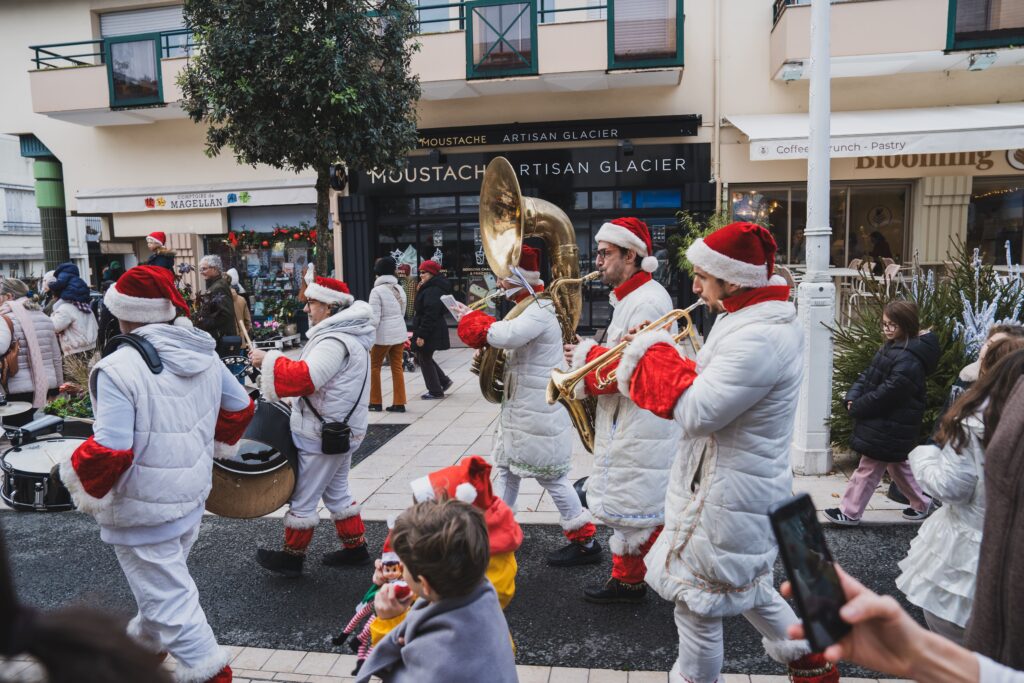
pixel 561 131
pixel 912 144
pixel 553 170
pixel 195 200
pixel 143 200
pixel 981 161
pixel 1015 158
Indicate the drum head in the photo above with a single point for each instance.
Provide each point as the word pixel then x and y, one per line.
pixel 39 457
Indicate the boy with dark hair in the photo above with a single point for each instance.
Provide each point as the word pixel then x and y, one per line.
pixel 455 631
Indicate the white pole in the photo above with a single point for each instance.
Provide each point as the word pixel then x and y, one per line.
pixel 811 452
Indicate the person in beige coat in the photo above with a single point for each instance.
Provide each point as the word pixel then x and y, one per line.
pixel 39 368
pixel 242 314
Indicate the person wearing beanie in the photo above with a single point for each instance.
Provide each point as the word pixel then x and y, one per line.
pixel 430 328
pixel 328 384
pixel 73 319
pixel 146 471
pixel 37 365
pixel 736 405
pixel 387 300
pixel 533 439
pixel 161 256
pixel 633 448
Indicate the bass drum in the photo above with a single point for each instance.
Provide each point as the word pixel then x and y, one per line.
pixel 27 484
pixel 259 478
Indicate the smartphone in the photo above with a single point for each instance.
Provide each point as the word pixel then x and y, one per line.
pixel 810 569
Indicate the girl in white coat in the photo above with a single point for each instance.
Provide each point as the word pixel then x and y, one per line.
pixel 387 301
pixel 940 569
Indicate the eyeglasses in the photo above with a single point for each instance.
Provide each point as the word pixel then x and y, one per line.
pixel 887 325
pixel 605 253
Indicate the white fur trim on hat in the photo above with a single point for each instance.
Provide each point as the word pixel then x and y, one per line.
pixel 328 296
pixel 725 267
pixel 136 309
pixel 182 321
pixel 635 351
pixel 620 236
pixel 293 522
pixel 422 489
pixel 350 511
pixel 223 451
pixel 389 556
pixel 202 671
pixel 577 522
pixel 83 501
pixel 579 359
pixel 466 492
pixel 267 387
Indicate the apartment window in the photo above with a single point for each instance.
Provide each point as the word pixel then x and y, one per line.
pixel 644 33
pixel 438 16
pixel 133 70
pixel 501 38
pixel 995 217
pixel 22 214
pixel 985 23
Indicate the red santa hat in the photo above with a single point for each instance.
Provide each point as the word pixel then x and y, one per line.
pixel 145 294
pixel 432 267
pixel 470 482
pixel 327 290
pixel 158 237
pixel 387 553
pixel 740 253
pixel 630 233
pixel 529 264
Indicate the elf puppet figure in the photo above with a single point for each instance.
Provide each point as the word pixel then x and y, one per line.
pixel 389 570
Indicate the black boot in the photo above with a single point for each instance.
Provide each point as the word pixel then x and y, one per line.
pixel 340 639
pixel 375 407
pixel 616 591
pixel 354 645
pixel 348 557
pixel 359 665
pixel 281 562
pixel 575 554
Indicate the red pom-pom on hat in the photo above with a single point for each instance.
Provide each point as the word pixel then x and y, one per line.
pixel 630 233
pixel 740 253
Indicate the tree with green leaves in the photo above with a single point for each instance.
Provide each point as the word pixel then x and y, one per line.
pixel 304 84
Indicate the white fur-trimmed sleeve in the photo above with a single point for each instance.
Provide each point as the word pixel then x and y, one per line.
pixel 635 351
pixel 579 359
pixel 267 376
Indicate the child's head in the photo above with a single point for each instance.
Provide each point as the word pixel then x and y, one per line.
pixel 443 546
pixel 899 321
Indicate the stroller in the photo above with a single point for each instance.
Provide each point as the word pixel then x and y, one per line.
pixel 408 357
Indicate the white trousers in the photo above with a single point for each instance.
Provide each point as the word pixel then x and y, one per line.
pixel 700 640
pixel 170 618
pixel 566 499
pixel 321 476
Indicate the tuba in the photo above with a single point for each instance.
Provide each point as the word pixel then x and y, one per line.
pixel 506 218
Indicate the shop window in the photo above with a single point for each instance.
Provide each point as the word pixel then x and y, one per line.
pixel 659 199
pixel 877 224
pixel 996 216
pixel 436 205
pixel 985 23
pixel 644 33
pixel 767 207
pixel 133 70
pixel 501 38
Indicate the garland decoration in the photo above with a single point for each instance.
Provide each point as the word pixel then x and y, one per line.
pixel 250 239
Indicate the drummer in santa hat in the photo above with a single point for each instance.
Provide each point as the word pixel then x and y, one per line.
pixel 328 383
pixel 145 472
pixel 470 482
pixel 161 256
pixel 736 405
pixel 534 439
pixel 633 448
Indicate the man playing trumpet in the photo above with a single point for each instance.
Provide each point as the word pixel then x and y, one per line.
pixel 633 448
pixel 534 439
pixel 736 405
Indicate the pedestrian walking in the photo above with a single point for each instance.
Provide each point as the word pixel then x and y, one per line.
pixel 217 307
pixel 887 404
pixel 145 472
pixel 939 571
pixel 430 328
pixel 29 349
pixel 73 318
pixel 736 406
pixel 387 300
pixel 328 422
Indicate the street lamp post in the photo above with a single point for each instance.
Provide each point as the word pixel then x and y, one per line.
pixel 811 453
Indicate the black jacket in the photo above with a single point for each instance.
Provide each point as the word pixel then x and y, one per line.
pixel 428 321
pixel 889 399
pixel 217 310
pixel 163 258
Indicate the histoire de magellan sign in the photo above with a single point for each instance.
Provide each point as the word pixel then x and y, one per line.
pixel 561 131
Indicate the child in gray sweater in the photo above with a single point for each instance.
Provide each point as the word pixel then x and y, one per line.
pixel 455 631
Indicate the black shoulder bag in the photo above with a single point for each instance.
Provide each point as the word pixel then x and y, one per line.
pixel 335 437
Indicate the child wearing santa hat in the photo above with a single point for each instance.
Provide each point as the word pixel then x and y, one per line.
pixel 455 631
pixel 161 256
pixel 145 472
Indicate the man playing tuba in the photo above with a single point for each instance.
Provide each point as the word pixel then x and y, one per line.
pixel 534 439
pixel 736 406
pixel 633 448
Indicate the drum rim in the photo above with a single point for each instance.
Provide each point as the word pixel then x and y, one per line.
pixel 8 468
pixel 276 463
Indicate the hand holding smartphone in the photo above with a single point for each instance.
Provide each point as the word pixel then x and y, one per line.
pixel 811 571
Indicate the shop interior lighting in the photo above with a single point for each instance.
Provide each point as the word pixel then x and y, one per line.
pixel 792 71
pixel 627 148
pixel 979 61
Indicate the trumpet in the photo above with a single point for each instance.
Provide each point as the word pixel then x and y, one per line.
pixel 562 385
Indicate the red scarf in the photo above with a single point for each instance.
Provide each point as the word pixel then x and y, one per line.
pixel 639 279
pixel 756 296
pixel 523 293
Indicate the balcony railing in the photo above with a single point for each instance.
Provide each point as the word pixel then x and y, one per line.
pixel 21 228
pixel 451 16
pixel 780 6
pixel 985 23
pixel 178 43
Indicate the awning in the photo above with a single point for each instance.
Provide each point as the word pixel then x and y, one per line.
pixel 294 190
pixel 882 132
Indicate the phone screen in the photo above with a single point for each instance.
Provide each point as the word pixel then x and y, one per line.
pixel 811 572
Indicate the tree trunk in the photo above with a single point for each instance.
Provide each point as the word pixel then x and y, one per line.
pixel 324 241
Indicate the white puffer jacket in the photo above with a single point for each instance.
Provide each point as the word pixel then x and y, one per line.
pixel 939 571
pixel 534 439
pixel 717 549
pixel 387 300
pixel 76 329
pixel 633 447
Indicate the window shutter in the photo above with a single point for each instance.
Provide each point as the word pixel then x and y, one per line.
pixel 152 20
pixel 645 27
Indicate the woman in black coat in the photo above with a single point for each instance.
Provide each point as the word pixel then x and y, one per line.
pixel 430 328
pixel 887 404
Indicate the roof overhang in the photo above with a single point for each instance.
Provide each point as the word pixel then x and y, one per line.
pixel 297 190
